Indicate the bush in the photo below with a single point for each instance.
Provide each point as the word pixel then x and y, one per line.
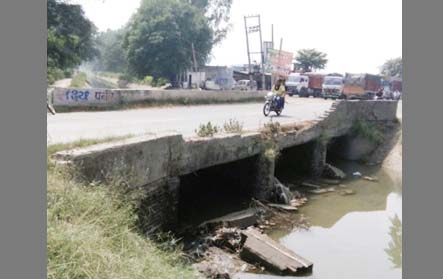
pixel 54 74
pixel 233 126
pixel 160 82
pixel 126 77
pixel 368 130
pixel 79 80
pixel 207 130
pixel 148 80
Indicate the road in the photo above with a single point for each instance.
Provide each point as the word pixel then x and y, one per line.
pixel 67 127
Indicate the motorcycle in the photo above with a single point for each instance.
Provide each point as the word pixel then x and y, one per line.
pixel 271 104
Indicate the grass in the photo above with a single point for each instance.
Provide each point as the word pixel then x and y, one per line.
pixel 92 232
pixel 79 80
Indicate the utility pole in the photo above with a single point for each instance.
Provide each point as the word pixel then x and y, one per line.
pixel 195 64
pixel 262 58
pixel 272 34
pixel 252 29
pixel 249 55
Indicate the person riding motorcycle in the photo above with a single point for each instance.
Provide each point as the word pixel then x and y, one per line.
pixel 279 90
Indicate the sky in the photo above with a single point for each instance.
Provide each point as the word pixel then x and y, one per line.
pixel 357 35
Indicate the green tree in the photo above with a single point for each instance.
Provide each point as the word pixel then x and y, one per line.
pixel 392 67
pixel 160 37
pixel 218 15
pixel 70 38
pixel 311 59
pixel 111 52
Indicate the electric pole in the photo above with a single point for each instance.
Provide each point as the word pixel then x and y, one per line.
pixel 249 54
pixel 252 29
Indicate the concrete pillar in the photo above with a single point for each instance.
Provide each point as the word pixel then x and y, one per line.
pixel 318 159
pixel 158 211
pixel 265 177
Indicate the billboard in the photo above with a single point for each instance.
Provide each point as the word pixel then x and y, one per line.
pixel 278 62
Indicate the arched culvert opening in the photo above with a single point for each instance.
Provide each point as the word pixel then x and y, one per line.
pixel 216 191
pixel 336 149
pixel 295 162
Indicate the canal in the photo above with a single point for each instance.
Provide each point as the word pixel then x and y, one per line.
pixel 350 236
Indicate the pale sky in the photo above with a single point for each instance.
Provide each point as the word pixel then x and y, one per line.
pixel 357 35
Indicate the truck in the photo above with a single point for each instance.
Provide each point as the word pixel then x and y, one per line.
pixel 332 87
pixel 305 84
pixel 315 85
pixel 360 86
pixel 392 88
pixel 297 84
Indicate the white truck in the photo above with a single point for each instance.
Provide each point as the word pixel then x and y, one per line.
pixel 297 84
pixel 332 87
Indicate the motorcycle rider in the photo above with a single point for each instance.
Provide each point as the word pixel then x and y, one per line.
pixel 279 90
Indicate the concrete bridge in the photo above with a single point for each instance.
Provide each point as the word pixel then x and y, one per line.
pixel 169 167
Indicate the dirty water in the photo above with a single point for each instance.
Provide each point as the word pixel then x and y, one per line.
pixel 352 236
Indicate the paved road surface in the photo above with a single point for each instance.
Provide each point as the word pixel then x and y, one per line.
pixel 67 127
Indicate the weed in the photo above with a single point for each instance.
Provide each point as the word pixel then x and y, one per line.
pixel 92 230
pixel 233 126
pixel 367 130
pixel 207 130
pixel 79 80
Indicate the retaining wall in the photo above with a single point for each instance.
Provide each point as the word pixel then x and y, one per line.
pixel 96 97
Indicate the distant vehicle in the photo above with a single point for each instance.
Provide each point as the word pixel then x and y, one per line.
pixel 211 85
pixel 245 85
pixel 392 88
pixel 332 87
pixel 315 84
pixel 361 86
pixel 297 84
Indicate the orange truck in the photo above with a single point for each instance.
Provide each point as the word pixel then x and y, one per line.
pixel 361 86
pixel 315 84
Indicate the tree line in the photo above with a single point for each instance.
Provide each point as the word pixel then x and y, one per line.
pixel 160 40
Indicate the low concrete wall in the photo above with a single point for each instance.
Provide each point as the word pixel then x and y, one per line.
pixel 96 97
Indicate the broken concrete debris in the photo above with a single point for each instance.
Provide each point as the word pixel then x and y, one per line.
pixel 280 193
pixel 283 207
pixel 259 248
pixel 369 178
pixel 240 219
pixel 333 172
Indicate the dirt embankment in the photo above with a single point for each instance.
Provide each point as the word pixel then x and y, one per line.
pixel 393 162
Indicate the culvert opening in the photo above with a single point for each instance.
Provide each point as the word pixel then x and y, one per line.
pixel 216 191
pixel 335 149
pixel 294 162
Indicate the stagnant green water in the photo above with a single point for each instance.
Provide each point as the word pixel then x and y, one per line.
pixel 355 236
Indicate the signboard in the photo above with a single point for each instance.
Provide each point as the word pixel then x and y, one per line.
pixel 278 62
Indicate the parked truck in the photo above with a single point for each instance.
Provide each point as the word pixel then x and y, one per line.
pixel 297 84
pixel 361 86
pixel 315 85
pixel 305 85
pixel 332 87
pixel 392 88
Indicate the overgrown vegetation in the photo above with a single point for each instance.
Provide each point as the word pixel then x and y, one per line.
pixel 269 134
pixel 233 126
pixel 367 130
pixel 207 130
pixel 92 232
pixel 79 80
